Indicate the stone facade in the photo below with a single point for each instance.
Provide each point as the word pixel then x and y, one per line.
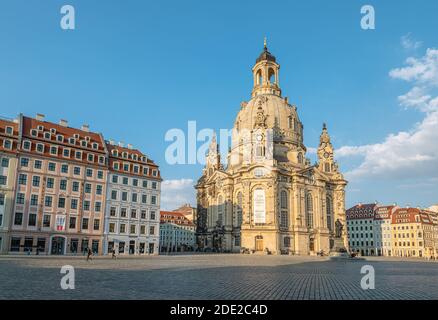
pixel 269 198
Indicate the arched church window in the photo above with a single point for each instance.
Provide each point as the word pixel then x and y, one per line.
pixel 309 210
pixel 220 210
pixel 284 212
pixel 291 122
pixel 295 125
pixel 300 157
pixel 329 207
pixel 259 78
pixel 327 167
pixel 239 209
pixel 271 76
pixel 260 151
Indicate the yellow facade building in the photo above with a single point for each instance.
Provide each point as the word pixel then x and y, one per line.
pixel 269 198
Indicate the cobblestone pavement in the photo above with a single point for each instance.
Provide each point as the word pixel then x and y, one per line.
pixel 216 277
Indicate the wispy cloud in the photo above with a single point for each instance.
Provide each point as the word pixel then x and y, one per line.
pixel 175 193
pixel 408 42
pixel 412 153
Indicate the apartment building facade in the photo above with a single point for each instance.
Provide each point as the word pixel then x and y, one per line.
pixel 177 232
pixel 360 230
pixel 9 132
pixel 133 202
pixel 61 185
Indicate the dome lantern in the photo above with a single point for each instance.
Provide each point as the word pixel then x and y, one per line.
pixel 265 73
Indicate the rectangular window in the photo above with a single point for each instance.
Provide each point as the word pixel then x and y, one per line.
pixel 74 204
pixel 154 200
pixel 152 230
pixel 134 197
pixel 89 173
pixel 77 171
pixel 84 223
pixel 22 179
pixel 18 220
pixel 37 164
pixel 5 162
pixel 2 199
pixel 51 166
pixel 66 153
pixel 142 229
pixel 135 182
pixel 96 225
pixel 32 220
pixel 35 181
pixel 133 229
pixel 61 202
pixel 112 227
pixel 72 223
pixel 114 195
pixel 50 183
pixel 99 174
pixel 145 183
pixel 153 215
pixel 154 185
pixel 20 198
pixel 46 221
pixel 34 200
pixel 54 151
pixel 64 168
pixel 143 214
pixel 87 188
pixel 48 201
pixel 115 179
pixel 24 162
pixel 144 198
pixel 133 213
pixel 124 196
pixel 75 186
pixel 125 180
pixel 123 212
pixel 3 180
pixel 99 189
pixel 97 206
pixel 63 184
pixel 15 244
pixel 86 205
pixel 122 228
pixel 113 211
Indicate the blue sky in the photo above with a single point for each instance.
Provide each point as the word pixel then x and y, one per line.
pixel 135 69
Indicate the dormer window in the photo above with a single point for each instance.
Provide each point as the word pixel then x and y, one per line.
pixel 126 166
pixel 135 169
pixel 87 139
pixel 135 157
pixel 116 166
pixel 33 133
pixel 76 136
pixel 83 143
pixel 66 153
pixel 101 160
pixel 154 173
pixel 145 171
pixel 9 130
pixel 47 135
pixel 60 138
pixel 90 157
pixel 40 128
pixel 125 155
pixel 71 140
pixel 53 131
pixel 95 146
pixel 78 155
pixel 115 153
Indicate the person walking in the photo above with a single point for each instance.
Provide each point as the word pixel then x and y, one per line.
pixel 113 254
pixel 89 254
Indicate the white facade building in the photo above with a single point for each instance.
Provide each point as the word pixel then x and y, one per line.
pixel 132 213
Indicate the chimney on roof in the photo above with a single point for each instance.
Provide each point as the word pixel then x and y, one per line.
pixel 63 123
pixel 121 144
pixel 85 127
pixel 40 117
pixel 129 146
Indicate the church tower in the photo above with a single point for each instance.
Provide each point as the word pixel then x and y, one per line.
pixel 326 162
pixel 269 198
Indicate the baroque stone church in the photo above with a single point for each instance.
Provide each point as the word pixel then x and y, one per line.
pixel 269 198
